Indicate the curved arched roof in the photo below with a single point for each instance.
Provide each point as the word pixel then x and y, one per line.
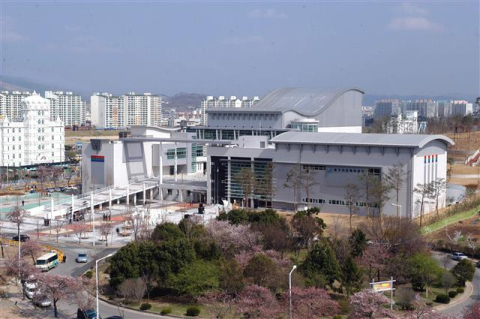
pixel 360 139
pixel 304 101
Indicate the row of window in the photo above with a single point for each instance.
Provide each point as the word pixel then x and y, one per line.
pixel 335 202
pixel 181 153
pixel 314 167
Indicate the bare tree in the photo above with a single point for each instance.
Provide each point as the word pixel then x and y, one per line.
pixel 133 289
pixel 438 188
pixel 293 182
pixel 105 230
pixel 79 230
pixel 17 216
pixel 352 195
pixel 246 179
pixel 308 179
pixel 395 177
pixel 265 184
pixel 56 173
pixel 58 228
pixel 56 288
pixel 424 191
pixel 1 238
pixel 31 248
pixel 21 269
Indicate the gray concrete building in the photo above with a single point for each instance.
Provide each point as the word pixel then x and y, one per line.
pixel 335 160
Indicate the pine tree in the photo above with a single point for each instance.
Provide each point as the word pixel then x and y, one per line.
pixel 351 276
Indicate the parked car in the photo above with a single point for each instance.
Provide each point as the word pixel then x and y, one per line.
pixel 87 314
pixel 458 256
pixel 478 264
pixel 23 238
pixel 81 258
pixel 114 317
pixel 41 301
pixel 30 292
pixel 31 282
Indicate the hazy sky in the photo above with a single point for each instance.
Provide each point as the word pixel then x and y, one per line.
pixel 233 48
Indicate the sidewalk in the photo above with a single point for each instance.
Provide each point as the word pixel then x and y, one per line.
pixel 459 299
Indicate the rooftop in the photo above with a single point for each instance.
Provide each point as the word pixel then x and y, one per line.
pixel 359 139
pixel 304 101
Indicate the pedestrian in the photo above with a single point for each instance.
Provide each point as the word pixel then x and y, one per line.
pixel 118 231
pixel 23 202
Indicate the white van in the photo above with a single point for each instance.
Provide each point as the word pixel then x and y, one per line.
pixel 47 261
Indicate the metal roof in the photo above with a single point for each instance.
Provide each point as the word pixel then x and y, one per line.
pixel 359 139
pixel 304 101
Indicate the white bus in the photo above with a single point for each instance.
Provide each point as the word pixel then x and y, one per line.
pixel 47 261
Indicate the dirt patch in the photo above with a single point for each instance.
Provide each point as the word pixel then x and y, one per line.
pixel 468 226
pixel 460 168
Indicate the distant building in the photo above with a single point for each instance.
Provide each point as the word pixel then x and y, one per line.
pixel 444 108
pixel 387 108
pixel 33 140
pixel 11 104
pixel 107 111
pixel 222 102
pixel 142 109
pixel 67 106
pixel 111 112
pixel 407 124
pixel 461 107
pixel 425 108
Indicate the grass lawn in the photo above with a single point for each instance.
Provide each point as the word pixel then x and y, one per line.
pixel 449 220
pixel 177 309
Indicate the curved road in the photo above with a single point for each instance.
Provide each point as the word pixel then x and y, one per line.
pixel 456 309
pixel 74 269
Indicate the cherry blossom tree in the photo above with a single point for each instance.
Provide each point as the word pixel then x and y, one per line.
pixel 57 287
pixel 236 238
pixel 369 304
pixel 473 312
pixel 373 259
pixel 31 248
pixel 21 269
pixel 79 230
pixel 257 302
pixel 311 303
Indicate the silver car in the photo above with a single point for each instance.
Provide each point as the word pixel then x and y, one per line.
pixel 458 256
pixel 41 301
pixel 81 258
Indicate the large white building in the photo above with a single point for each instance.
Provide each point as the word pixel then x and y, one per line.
pixel 11 104
pixel 67 106
pixel 109 111
pixel 35 139
pixel 221 102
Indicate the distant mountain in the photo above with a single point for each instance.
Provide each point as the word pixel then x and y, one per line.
pixel 184 101
pixel 12 83
pixel 369 99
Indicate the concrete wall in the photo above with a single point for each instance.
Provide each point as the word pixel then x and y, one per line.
pixel 344 165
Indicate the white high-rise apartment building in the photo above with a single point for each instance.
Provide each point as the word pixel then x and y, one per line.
pixel 107 111
pixel 142 109
pixel 11 104
pixel 35 139
pixel 221 101
pixel 67 106
pixel 461 107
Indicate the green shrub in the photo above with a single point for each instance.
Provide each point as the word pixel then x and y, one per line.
pixel 460 290
pixel 344 307
pixel 192 311
pixel 166 311
pixel 145 306
pixel 452 294
pixel 337 317
pixel 442 299
pixel 89 274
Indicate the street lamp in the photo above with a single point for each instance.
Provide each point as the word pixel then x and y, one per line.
pixel 290 290
pixel 96 278
pixel 397 205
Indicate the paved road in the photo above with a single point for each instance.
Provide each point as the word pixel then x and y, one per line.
pixel 456 309
pixel 74 269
